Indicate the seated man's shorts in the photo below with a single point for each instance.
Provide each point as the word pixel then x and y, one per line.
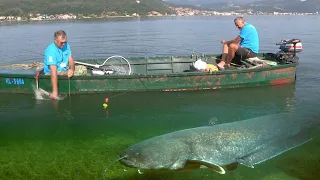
pixel 245 53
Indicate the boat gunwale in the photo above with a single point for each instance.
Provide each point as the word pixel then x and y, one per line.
pixel 179 74
pixel 144 61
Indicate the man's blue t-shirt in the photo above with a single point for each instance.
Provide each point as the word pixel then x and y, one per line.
pixel 54 55
pixel 250 38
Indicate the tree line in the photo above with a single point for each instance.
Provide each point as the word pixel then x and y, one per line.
pixel 85 7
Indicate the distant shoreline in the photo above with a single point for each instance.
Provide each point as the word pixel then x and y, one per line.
pixel 17 19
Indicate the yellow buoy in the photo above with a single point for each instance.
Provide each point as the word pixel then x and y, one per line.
pixel 105 105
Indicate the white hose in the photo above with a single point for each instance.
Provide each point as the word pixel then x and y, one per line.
pixel 98 66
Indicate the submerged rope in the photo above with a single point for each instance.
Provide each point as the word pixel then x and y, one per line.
pixel 69 87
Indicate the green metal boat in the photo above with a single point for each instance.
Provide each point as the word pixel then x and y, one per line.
pixel 172 73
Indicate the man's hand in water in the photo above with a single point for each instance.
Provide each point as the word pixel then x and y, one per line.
pixel 54 95
pixel 70 73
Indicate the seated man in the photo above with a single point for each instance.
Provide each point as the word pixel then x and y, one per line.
pixel 58 60
pixel 248 47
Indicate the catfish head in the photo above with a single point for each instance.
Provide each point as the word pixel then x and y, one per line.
pixel 162 152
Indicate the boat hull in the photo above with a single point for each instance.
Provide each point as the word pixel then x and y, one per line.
pixel 184 81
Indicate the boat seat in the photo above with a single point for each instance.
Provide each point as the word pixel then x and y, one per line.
pixel 255 59
pixel 167 66
pixel 160 69
pixel 258 61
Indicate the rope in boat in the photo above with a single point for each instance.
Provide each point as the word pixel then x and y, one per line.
pixel 37 65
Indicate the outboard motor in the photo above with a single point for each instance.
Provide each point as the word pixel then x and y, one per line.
pixel 288 51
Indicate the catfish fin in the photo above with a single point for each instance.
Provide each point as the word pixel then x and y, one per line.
pixel 192 165
pixel 210 165
pixel 232 166
pixel 179 164
pixel 213 121
pixel 272 149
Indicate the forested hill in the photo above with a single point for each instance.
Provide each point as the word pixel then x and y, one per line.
pixel 85 7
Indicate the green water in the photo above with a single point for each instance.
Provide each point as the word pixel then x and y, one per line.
pixel 77 139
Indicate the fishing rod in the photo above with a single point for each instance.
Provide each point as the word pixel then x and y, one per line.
pixel 97 66
pixel 196 52
pixel 41 54
pixel 39 71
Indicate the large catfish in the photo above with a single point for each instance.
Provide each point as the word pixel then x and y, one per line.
pixel 223 146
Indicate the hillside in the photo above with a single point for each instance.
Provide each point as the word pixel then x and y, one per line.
pixel 85 7
pixel 255 5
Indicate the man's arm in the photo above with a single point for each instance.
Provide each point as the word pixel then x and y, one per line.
pixel 50 59
pixel 236 40
pixel 54 81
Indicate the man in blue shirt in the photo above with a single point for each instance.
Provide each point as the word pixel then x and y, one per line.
pixel 245 45
pixel 58 60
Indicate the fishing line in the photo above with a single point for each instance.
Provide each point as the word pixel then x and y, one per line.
pixel 69 87
pixel 130 90
pixel 196 52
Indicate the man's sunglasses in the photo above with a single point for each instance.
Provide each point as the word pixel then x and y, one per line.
pixel 62 43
